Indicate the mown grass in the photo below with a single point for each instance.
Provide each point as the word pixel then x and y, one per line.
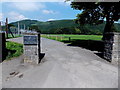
pixel 13 49
pixel 72 37
pixel 91 42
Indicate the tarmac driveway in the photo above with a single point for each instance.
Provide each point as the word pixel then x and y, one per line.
pixel 62 67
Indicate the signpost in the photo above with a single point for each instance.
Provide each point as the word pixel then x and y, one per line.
pixel 6 27
pixel 30 40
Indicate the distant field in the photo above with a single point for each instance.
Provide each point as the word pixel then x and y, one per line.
pixel 72 37
pixel 15 35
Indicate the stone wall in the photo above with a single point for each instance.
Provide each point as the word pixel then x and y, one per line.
pixel 31 54
pixel 112 47
pixel 32 48
pixel 2 46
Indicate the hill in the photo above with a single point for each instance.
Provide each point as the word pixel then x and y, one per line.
pixel 46 26
pixel 64 26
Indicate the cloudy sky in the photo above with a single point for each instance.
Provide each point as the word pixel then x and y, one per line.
pixel 37 10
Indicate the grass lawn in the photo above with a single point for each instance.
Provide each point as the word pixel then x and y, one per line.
pixel 91 42
pixel 64 37
pixel 13 49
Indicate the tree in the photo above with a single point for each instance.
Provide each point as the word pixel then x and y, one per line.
pixel 77 31
pixel 35 27
pixel 59 31
pixel 97 12
pixel 65 30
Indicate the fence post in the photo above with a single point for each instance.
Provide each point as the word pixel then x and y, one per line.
pixel 56 37
pixel 6 27
pixel 61 38
pixel 69 38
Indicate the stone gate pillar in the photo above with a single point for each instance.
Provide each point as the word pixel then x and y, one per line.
pixel 32 48
pixel 112 47
pixel 2 46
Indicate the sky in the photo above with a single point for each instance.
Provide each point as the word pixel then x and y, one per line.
pixel 42 11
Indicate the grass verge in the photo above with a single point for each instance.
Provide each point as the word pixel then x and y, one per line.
pixel 13 49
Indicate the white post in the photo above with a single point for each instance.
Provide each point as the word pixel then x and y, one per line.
pixel 24 26
pixel 18 29
pixel 28 28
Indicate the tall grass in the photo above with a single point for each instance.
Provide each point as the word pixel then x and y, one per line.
pixel 13 49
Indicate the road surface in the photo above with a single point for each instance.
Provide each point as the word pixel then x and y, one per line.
pixel 62 67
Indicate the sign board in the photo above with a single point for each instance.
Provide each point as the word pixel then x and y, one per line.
pixel 30 40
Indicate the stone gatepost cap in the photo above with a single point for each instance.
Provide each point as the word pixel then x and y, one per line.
pixel 31 33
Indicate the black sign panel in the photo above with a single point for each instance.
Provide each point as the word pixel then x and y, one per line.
pixel 30 40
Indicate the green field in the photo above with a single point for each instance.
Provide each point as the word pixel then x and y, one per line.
pixel 13 49
pixel 65 37
pixel 15 35
pixel 91 42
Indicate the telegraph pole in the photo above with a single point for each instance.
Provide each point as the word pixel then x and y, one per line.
pixel 6 27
